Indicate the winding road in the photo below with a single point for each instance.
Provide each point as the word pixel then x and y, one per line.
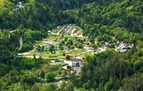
pixel 25 53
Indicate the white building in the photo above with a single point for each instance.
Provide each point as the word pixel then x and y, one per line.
pixel 122 47
pixel 19 5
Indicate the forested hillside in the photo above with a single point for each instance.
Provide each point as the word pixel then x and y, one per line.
pixel 109 23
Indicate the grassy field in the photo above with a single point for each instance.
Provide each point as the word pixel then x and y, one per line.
pixel 55 55
pixel 49 39
pixel 75 52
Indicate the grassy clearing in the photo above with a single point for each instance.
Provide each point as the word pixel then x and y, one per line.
pixel 55 55
pixel 45 55
pixel 75 52
pixel 49 39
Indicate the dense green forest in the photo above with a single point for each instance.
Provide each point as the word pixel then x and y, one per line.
pixel 102 20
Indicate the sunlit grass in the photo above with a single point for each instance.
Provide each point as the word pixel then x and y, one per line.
pixel 75 52
pixel 49 39
pixel 44 55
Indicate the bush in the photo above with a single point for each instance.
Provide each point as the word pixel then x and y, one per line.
pixel 26 47
pixel 30 79
pixel 68 57
pixel 50 77
pixel 79 45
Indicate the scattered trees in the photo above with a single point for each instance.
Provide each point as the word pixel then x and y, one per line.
pixel 50 77
pixel 52 49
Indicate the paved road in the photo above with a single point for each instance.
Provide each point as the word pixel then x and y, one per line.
pixel 25 53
